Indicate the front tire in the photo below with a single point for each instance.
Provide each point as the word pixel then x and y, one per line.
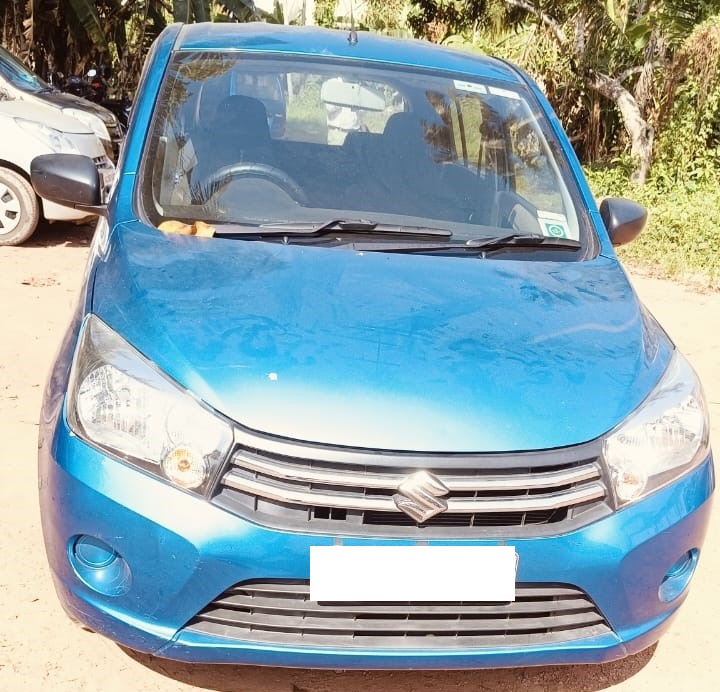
pixel 19 208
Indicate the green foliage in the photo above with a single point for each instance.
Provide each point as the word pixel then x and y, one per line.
pixel 325 12
pixel 688 149
pixel 385 16
pixel 438 19
pixel 191 10
pixel 142 23
pixel 600 65
pixel 683 231
pixel 233 10
pixel 87 14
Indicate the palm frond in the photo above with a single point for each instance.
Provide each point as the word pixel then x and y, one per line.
pixel 240 10
pixel 86 12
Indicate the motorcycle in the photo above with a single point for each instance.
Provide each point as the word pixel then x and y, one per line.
pixel 94 87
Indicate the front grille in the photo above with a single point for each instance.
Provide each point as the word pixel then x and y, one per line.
pixel 314 488
pixel 116 140
pixel 103 163
pixel 281 613
pixel 106 171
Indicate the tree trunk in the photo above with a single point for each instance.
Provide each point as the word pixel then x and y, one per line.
pixel 640 131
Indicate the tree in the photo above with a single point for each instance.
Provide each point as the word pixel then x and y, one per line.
pixel 325 12
pixel 438 19
pixel 385 16
pixel 617 49
pixel 688 148
pixel 69 35
pixel 188 11
pixel 613 48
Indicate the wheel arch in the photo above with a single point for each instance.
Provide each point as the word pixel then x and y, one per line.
pixel 4 163
pixel 30 205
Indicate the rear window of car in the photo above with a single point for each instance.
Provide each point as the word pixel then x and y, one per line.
pixel 243 139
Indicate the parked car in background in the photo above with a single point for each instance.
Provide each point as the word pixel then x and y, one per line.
pixel 384 400
pixel 28 130
pixel 17 82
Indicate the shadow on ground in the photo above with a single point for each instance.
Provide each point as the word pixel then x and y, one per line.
pixel 232 678
pixel 67 234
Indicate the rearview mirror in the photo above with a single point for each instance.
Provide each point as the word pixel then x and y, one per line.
pixel 338 92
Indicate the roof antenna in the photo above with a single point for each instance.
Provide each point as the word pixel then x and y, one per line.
pixel 352 38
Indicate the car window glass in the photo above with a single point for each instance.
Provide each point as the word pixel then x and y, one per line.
pixel 17 74
pixel 244 140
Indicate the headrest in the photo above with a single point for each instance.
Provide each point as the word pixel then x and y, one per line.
pixel 243 116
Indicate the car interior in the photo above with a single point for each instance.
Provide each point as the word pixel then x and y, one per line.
pixel 406 153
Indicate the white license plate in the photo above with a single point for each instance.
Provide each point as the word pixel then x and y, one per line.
pixel 412 573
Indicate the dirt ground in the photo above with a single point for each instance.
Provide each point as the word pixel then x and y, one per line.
pixel 40 648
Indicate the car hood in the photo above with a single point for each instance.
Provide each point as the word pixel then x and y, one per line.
pixel 27 110
pixel 60 99
pixel 386 351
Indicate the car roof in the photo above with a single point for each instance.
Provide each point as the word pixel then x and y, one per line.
pixel 259 37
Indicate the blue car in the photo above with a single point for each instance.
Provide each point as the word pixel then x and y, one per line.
pixel 370 390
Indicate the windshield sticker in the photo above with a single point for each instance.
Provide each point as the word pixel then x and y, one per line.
pixel 553 225
pixel 469 86
pixel 505 93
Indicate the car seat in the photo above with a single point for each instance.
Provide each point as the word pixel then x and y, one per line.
pixel 239 133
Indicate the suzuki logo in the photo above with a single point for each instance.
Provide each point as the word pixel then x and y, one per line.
pixel 420 496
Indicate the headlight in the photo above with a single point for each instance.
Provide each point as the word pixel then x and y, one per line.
pixel 94 122
pixel 667 436
pixel 121 402
pixel 56 140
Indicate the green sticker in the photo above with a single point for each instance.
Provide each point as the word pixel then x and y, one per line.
pixel 554 229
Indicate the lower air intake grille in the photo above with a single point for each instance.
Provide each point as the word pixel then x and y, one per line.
pixel 281 613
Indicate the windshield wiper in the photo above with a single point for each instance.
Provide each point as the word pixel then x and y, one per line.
pixel 346 226
pixel 481 245
pixel 439 239
pixel 521 240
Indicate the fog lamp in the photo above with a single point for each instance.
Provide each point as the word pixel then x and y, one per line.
pixel 678 576
pixel 93 553
pixel 99 566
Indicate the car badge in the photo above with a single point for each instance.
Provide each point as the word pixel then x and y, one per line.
pixel 420 496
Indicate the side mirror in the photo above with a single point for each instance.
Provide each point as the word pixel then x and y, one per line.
pixel 623 218
pixel 68 179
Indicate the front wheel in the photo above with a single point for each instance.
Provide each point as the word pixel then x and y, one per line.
pixel 19 208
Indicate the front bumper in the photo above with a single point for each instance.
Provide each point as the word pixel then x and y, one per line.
pixel 182 552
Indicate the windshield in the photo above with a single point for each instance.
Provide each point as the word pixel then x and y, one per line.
pixel 13 71
pixel 250 141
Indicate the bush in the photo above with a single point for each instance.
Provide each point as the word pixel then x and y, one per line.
pixel 688 143
pixel 682 237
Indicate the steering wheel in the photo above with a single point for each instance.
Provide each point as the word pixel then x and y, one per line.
pixel 221 177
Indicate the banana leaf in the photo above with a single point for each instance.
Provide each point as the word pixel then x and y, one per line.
pixel 86 12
